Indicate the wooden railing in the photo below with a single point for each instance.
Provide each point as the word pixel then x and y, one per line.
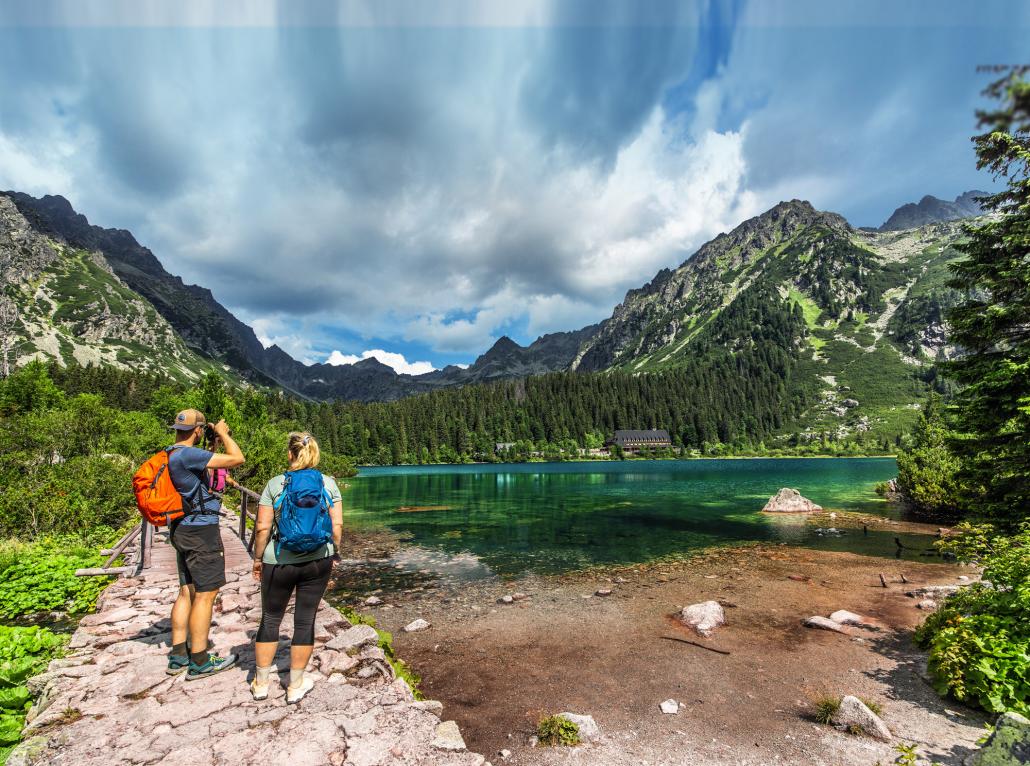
pixel 136 545
pixel 248 513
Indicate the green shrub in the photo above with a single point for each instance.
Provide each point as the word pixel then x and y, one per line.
pixel 979 640
pixel 24 652
pixel 42 579
pixel 556 730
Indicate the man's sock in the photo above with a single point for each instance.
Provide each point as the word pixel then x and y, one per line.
pixel 296 677
pixel 261 674
pixel 179 650
pixel 198 658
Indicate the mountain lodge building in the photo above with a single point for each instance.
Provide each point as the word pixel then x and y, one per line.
pixel 634 441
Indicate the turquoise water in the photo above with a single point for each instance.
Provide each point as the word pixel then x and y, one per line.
pixel 549 518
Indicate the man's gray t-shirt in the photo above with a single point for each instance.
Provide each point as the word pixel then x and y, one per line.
pixel 272 490
pixel 187 467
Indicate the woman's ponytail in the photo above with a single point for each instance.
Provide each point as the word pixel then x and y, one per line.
pixel 303 449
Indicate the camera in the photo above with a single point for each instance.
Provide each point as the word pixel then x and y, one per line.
pixel 209 433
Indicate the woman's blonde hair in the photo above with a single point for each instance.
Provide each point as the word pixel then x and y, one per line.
pixel 303 450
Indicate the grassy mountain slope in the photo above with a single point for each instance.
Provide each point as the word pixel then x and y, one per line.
pixel 72 307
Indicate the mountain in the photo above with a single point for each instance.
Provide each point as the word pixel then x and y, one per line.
pixel 933 210
pixel 855 316
pixel 72 306
pixel 212 332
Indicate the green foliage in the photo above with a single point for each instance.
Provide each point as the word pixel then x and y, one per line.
pixel 979 640
pixel 28 389
pixel 928 470
pixel 555 730
pixel 41 578
pixel 24 652
pixel 908 755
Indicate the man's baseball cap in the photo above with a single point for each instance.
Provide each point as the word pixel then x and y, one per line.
pixel 187 420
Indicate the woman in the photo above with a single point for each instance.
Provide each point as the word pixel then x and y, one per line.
pixel 282 571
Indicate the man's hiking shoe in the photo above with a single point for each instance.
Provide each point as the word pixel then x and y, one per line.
pixel 214 664
pixel 295 695
pixel 260 691
pixel 177 664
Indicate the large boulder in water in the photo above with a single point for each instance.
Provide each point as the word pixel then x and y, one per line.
pixel 790 501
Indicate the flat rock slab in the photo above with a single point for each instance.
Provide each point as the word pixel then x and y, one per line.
pixel 790 501
pixel 113 702
pixel 704 618
pixel 844 617
pixel 824 623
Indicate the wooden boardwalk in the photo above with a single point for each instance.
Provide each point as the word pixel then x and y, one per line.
pixel 162 554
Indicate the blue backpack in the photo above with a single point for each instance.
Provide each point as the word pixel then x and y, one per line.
pixel 302 520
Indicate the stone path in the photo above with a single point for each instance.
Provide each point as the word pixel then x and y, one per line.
pixel 109 702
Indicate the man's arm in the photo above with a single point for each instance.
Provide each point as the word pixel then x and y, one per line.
pixel 233 456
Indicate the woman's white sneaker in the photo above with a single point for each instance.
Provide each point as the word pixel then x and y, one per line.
pixel 296 694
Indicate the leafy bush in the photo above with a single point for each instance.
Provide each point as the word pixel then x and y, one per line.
pixel 42 578
pixel 556 730
pixel 24 652
pixel 928 471
pixel 826 708
pixel 979 641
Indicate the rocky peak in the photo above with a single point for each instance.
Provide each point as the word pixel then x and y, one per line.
pixel 932 209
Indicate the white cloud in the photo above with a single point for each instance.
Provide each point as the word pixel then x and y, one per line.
pixel 389 358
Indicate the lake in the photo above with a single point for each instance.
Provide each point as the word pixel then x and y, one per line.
pixel 477 521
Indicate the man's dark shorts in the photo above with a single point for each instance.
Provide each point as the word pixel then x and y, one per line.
pixel 199 555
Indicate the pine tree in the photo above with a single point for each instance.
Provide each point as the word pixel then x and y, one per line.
pixel 992 324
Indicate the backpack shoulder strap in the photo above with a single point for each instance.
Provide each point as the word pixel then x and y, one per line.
pixel 278 502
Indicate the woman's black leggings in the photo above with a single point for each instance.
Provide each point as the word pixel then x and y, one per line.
pixel 278 582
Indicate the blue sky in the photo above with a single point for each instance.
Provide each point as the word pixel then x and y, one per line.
pixel 418 179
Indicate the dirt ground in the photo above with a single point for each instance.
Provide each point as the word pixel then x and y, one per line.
pixel 498 667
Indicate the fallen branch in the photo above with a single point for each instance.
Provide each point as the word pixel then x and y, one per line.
pixel 694 643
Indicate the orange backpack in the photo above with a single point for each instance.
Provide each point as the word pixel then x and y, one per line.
pixel 157 498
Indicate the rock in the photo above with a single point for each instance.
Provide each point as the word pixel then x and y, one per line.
pixel 505 754
pixel 448 737
pixel 823 623
pixel 373 601
pixel 603 592
pixel 27 752
pixel 927 605
pixel 519 596
pixel 233 603
pixel 670 707
pixel 932 591
pixel 704 617
pixel 963 578
pixel 790 501
pixel 850 403
pixel 845 617
pixel 417 625
pixel 506 599
pixel 1008 745
pixel 854 713
pixel 588 728
pixel 353 638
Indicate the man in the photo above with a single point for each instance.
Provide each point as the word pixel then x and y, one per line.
pixel 198 544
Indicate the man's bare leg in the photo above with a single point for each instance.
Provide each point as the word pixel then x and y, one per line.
pixel 181 616
pixel 200 619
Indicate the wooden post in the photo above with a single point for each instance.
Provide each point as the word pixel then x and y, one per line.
pixel 883 580
pixel 146 546
pixel 243 517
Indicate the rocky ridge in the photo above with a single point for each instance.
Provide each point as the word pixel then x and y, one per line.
pixel 110 702
pixel 932 209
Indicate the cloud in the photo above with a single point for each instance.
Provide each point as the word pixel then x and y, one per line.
pixel 390 359
pixel 382 176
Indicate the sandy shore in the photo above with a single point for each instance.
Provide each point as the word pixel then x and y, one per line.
pixel 499 667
